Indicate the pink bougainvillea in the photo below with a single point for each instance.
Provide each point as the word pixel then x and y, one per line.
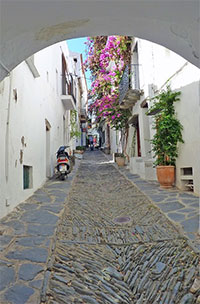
pixel 106 59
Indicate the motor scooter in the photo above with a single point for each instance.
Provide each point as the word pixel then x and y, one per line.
pixel 63 166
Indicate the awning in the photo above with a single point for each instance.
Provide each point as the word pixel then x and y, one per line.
pixel 154 112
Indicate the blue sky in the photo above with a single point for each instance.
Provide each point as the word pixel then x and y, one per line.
pixel 77 45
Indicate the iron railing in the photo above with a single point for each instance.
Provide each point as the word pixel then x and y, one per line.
pixel 68 87
pixel 124 85
pixel 72 89
pixel 130 80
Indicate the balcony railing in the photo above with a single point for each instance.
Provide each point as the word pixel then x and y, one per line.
pixel 83 115
pixel 71 90
pixel 129 81
pixel 68 87
pixel 68 96
pixel 135 69
pixel 124 85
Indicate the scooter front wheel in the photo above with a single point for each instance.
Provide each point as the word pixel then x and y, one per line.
pixel 62 177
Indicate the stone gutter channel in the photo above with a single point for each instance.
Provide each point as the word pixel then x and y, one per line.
pixel 26 241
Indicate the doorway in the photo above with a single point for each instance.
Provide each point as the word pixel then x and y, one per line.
pixel 138 139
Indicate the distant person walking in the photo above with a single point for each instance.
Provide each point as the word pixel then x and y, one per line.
pixel 91 144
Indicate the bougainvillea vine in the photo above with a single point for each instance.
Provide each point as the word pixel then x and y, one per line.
pixel 106 59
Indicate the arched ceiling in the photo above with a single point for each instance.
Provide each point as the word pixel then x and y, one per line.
pixel 29 26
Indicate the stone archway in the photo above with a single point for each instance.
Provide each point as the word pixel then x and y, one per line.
pixel 29 26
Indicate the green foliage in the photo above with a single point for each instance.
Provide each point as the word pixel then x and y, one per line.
pixel 119 155
pixel 80 148
pixel 168 128
pixel 121 117
pixel 103 51
pixel 74 127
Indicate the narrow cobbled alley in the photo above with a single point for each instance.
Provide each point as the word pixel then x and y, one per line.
pixel 111 245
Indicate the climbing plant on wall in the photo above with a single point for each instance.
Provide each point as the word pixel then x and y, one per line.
pixel 74 133
pixel 107 57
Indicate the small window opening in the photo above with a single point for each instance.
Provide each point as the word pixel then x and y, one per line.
pixel 187 171
pixel 187 185
pixel 27 177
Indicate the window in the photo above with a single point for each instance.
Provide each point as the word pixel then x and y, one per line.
pixel 187 171
pixel 57 85
pixel 187 182
pixel 64 72
pixel 27 177
pixel 135 68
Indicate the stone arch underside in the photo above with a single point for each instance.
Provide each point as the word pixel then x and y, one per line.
pixel 29 26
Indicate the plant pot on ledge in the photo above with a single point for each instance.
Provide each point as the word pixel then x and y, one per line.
pixel 120 159
pixel 79 151
pixel 166 176
pixel 167 136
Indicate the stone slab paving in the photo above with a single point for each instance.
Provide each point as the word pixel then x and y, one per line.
pixel 112 245
pixel 182 208
pixel 98 240
pixel 26 239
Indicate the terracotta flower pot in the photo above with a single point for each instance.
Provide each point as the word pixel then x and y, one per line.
pixel 166 176
pixel 120 161
pixel 79 151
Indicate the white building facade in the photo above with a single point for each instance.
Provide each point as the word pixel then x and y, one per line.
pixel 154 67
pixel 82 96
pixel 35 104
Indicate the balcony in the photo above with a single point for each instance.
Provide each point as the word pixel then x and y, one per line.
pixel 31 64
pixel 129 92
pixel 68 98
pixel 83 116
pixel 68 102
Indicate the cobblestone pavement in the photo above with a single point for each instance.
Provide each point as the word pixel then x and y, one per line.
pixel 181 207
pixel 26 237
pixel 111 245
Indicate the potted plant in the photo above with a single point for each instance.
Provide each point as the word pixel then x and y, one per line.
pixel 80 149
pixel 168 133
pixel 119 159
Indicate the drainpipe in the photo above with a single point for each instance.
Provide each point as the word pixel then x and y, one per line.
pixel 7 130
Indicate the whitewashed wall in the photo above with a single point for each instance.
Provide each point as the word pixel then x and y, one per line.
pixel 159 67
pixel 82 93
pixel 38 99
